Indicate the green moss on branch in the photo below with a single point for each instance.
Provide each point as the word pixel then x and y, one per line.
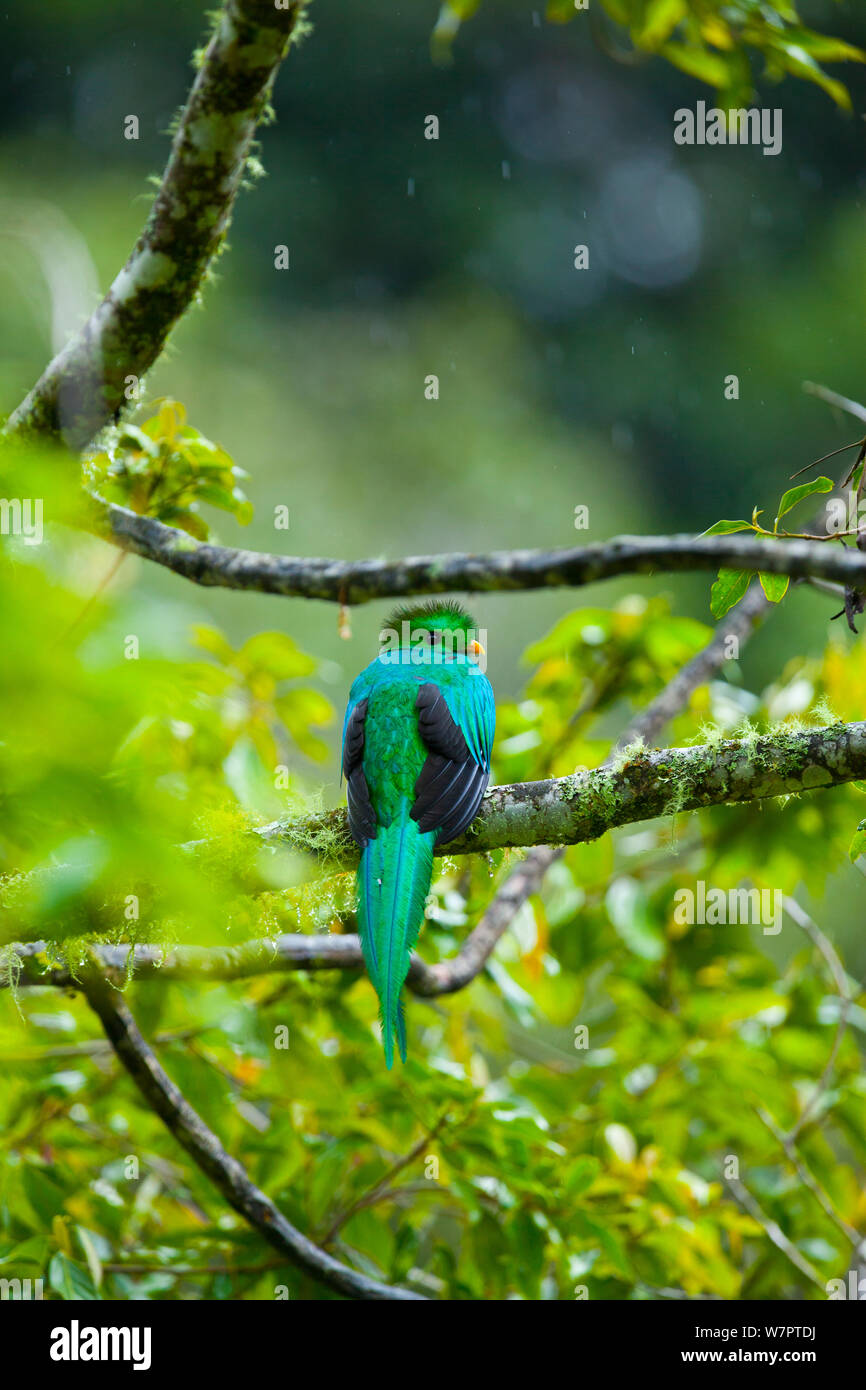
pixel 84 386
pixel 573 810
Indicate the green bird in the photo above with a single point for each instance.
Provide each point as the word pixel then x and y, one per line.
pixel 417 740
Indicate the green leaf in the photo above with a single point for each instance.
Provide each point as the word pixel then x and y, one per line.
pixel 728 589
pixel 277 654
pixel 775 586
pixel 211 640
pixel 216 496
pixel 33 1251
pixel 796 494
pixel 727 528
pixel 70 1281
pixel 300 709
pixel 131 437
pixel 462 9
pixel 243 508
pixel 660 19
pixel 824 48
pixel 88 1245
pixel 44 1195
pixel 185 520
pixel 698 62
pixel 858 844
pixel 629 910
pixel 582 1176
pixel 796 60
pixel 611 1244
pixel 451 16
pixel 559 11
pixel 246 774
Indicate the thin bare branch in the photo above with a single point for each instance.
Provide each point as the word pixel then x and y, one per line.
pixel 840 980
pixel 808 1179
pixel 813 388
pixel 225 1172
pixel 774 1232
pixel 374 1193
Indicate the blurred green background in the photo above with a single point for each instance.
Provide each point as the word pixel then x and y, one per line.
pixel 557 387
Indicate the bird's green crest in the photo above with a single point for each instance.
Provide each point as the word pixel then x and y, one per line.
pixel 438 615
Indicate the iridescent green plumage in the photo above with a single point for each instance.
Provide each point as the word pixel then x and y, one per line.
pixel 416 756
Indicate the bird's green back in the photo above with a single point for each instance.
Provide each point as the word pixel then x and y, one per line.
pixel 410 787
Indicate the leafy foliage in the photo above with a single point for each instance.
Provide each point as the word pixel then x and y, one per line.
pixel 732 585
pixel 711 40
pixel 559 1167
pixel 164 468
pixel 557 1162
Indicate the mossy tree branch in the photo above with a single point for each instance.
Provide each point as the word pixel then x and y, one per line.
pixel 508 571
pixel 84 386
pixel 639 785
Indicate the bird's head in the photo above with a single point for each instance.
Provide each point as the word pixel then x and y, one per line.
pixel 443 627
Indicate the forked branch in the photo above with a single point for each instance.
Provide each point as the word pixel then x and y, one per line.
pixel 225 1172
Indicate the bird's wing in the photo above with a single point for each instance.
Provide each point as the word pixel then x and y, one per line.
pixel 362 817
pixel 458 734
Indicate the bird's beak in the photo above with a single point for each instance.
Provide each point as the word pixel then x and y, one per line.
pixel 476 649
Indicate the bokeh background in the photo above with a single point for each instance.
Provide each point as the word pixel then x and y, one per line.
pixel 557 387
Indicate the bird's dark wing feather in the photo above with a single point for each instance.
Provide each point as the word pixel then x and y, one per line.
pixel 362 817
pixel 449 790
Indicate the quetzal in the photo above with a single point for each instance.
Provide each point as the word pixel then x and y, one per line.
pixel 417 740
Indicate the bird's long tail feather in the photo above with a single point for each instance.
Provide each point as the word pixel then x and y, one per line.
pixel 393 880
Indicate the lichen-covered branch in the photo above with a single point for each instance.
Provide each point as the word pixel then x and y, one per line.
pixel 84 386
pixel 274 956
pixel 225 1172
pixel 360 581
pixel 292 951
pixel 637 786
pixel 572 810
